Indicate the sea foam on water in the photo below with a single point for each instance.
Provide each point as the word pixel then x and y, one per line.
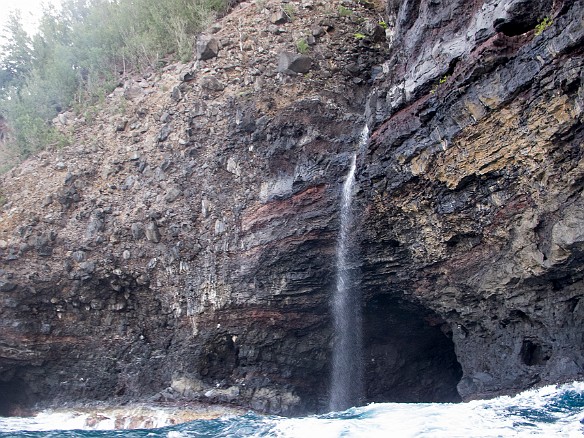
pixel 545 412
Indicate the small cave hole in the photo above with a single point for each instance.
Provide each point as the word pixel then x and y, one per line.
pixel 533 353
pixel 572 304
pixel 518 315
pixel 468 239
pixel 512 28
pixel 559 284
pixel 392 243
pixel 221 358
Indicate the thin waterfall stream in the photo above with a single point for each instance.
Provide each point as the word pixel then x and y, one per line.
pixel 346 386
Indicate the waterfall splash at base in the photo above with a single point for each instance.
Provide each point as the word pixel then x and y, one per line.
pixel 346 386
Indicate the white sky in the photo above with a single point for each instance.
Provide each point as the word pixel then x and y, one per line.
pixel 30 11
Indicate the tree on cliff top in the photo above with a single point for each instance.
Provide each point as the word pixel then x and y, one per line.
pixel 80 51
pixel 16 59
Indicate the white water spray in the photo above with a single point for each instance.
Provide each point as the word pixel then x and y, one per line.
pixel 346 387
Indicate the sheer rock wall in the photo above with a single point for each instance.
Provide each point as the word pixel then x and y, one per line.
pixel 473 184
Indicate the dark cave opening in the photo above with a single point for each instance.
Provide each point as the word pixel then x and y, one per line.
pixel 409 354
pixel 533 353
pixel 13 397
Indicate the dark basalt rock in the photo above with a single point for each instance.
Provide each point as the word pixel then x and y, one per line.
pixel 207 47
pixel 522 16
pixel 472 187
pixel 6 286
pixel 293 63
pixel 190 256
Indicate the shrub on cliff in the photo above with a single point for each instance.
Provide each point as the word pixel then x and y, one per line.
pixel 80 51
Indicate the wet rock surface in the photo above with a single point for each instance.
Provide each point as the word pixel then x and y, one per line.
pixel 183 247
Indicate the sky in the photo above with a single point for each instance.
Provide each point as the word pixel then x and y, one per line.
pixel 30 9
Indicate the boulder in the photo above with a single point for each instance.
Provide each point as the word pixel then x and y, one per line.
pixel 292 63
pixel 137 230
pixel 212 83
pixel 279 17
pixel 164 132
pixel 207 47
pixel 6 286
pixel 152 233
pixel 317 31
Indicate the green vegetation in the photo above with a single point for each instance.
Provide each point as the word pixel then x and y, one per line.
pixel 543 25
pixel 289 10
pixel 345 12
pixel 382 24
pixel 442 80
pixel 359 36
pixel 79 53
pixel 302 46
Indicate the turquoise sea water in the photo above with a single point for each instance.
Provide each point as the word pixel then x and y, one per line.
pixel 547 412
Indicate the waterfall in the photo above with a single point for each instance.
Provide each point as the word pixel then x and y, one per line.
pixel 346 386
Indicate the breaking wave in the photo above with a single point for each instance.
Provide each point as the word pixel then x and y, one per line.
pixel 548 411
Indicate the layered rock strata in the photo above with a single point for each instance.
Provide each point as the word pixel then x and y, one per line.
pixel 473 185
pixel 183 247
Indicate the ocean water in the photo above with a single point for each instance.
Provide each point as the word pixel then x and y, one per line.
pixel 547 412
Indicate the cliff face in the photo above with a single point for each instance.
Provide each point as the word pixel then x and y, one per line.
pixel 473 185
pixel 183 246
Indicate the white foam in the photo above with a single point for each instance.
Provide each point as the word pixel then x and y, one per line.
pixel 137 417
pixel 501 417
pixel 519 416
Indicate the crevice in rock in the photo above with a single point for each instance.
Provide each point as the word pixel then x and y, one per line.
pixel 522 16
pixel 512 28
pixel 409 353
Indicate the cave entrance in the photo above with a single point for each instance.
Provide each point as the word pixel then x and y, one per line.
pixel 12 397
pixel 409 354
